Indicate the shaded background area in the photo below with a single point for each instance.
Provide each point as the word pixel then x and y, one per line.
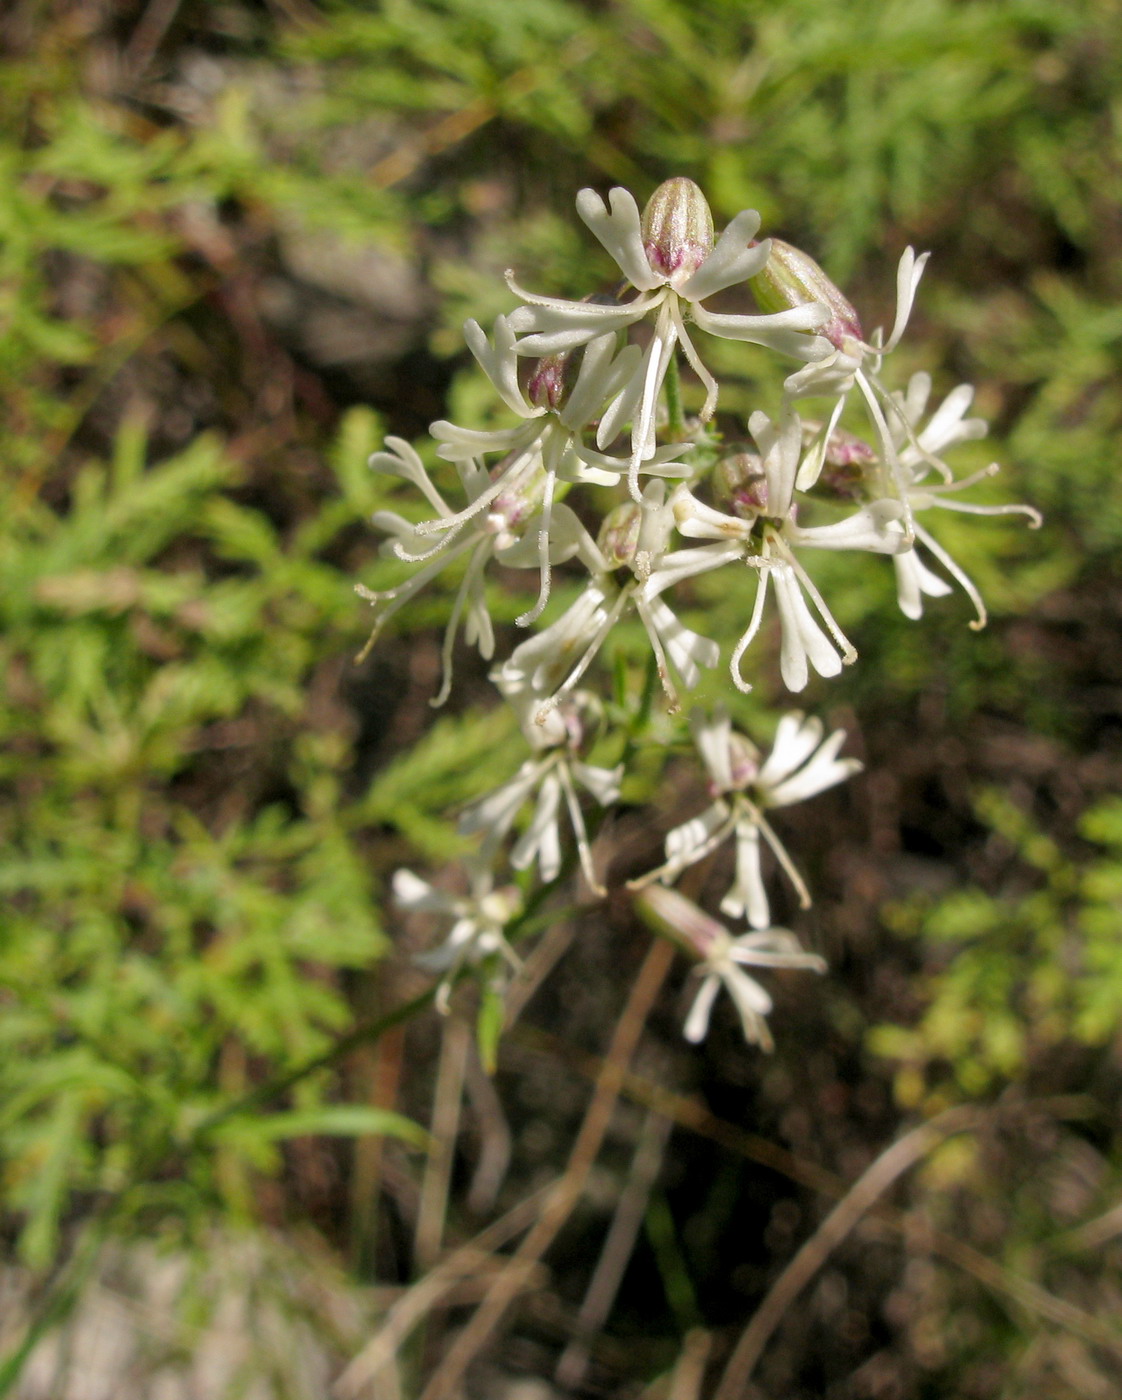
pixel 237 242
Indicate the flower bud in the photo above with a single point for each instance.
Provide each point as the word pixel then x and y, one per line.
pixel 548 384
pixel 679 919
pixel 677 229
pixel 519 499
pixel 792 278
pixel 619 534
pixel 740 483
pixel 848 463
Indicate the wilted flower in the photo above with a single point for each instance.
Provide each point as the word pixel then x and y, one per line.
pixel 498 529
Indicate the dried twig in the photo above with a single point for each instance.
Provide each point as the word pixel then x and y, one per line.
pixel 447 1097
pixel 564 1196
pixel 618 1247
pixel 413 1306
pixel 872 1184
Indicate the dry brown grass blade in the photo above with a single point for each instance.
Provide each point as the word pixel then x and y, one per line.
pixel 861 1197
pixel 455 1045
pixel 689 1113
pixel 565 1194
pixel 415 1304
pixel 618 1246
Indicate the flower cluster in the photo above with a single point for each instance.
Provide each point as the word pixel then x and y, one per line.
pixel 594 407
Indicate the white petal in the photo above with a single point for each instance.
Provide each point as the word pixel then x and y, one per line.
pixel 462 444
pixel 780 445
pixel 403 461
pixel 948 425
pixel 500 363
pixel 415 894
pixel 802 639
pixel 713 736
pixel 602 783
pixel 796 738
pixel 908 274
pixel 691 840
pixel 699 521
pixel 697 1022
pixel 782 331
pixel 874 528
pixel 731 260
pixel 753 1004
pixel 541 838
pixel 593 388
pixel 687 650
pixel 823 771
pixel 748 894
pixel 620 231
pixel 495 812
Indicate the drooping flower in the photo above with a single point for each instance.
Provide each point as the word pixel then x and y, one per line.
pixel 744 787
pixel 554 775
pixel 723 958
pixel 791 278
pixel 671 259
pixel 479 922
pixel 490 533
pixel 857 471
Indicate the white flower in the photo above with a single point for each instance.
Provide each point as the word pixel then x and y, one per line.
pixel 670 258
pixel 636 537
pixel 547 443
pixel 792 278
pixel 723 959
pixel 919 457
pixel 478 924
pixel 554 776
pixel 801 765
pixel 929 484
pixel 498 529
pixel 768 538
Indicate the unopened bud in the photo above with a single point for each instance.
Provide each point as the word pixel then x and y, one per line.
pixel 679 919
pixel 741 484
pixel 548 384
pixel 619 534
pixel 792 278
pixel 677 230
pixel 519 499
pixel 848 463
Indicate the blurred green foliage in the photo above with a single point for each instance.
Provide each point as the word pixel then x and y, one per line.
pixel 193 844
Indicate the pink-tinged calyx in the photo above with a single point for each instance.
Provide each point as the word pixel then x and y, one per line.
pixel 792 278
pixel 619 534
pixel 741 483
pixel 548 384
pixel 677 229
